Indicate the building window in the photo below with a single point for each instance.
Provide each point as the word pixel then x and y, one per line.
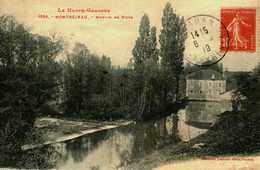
pixel 219 84
pixel 191 91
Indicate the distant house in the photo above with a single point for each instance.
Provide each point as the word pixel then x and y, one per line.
pixel 205 84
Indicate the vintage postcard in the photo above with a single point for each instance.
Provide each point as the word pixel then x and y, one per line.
pixel 130 84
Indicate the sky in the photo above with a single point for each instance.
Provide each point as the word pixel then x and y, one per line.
pixel 116 38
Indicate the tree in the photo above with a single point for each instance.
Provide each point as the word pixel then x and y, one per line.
pixel 140 52
pixel 139 56
pixel 29 79
pixel 76 79
pixel 93 88
pixel 172 41
pixel 151 71
pixel 248 85
pixel 145 56
pixel 140 49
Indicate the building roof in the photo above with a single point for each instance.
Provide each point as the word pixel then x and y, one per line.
pixel 206 74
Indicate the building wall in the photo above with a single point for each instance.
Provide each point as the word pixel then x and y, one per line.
pixel 205 89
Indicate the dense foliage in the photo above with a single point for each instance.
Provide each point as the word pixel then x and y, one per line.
pixel 29 80
pixel 238 131
pixel 93 88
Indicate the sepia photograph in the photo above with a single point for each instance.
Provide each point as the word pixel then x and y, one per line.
pixel 130 84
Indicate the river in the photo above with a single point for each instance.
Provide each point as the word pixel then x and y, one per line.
pixel 115 148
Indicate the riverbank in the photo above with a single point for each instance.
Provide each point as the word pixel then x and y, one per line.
pixel 182 151
pixel 48 130
pixel 189 156
pixel 231 141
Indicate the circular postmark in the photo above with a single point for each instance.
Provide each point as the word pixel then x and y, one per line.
pixel 203 44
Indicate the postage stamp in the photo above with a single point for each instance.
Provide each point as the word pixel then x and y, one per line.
pixel 241 25
pixel 203 42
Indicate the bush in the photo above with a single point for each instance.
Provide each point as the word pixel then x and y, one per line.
pixel 234 132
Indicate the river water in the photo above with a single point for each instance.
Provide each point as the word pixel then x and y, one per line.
pixel 115 148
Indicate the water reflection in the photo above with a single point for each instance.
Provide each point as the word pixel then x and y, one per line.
pixel 198 111
pixel 198 116
pixel 116 148
pixel 107 150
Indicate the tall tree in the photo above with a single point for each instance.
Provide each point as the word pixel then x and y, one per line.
pixel 145 56
pixel 141 45
pixel 140 54
pixel 172 41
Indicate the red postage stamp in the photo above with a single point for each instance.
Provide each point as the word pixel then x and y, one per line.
pixel 241 26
